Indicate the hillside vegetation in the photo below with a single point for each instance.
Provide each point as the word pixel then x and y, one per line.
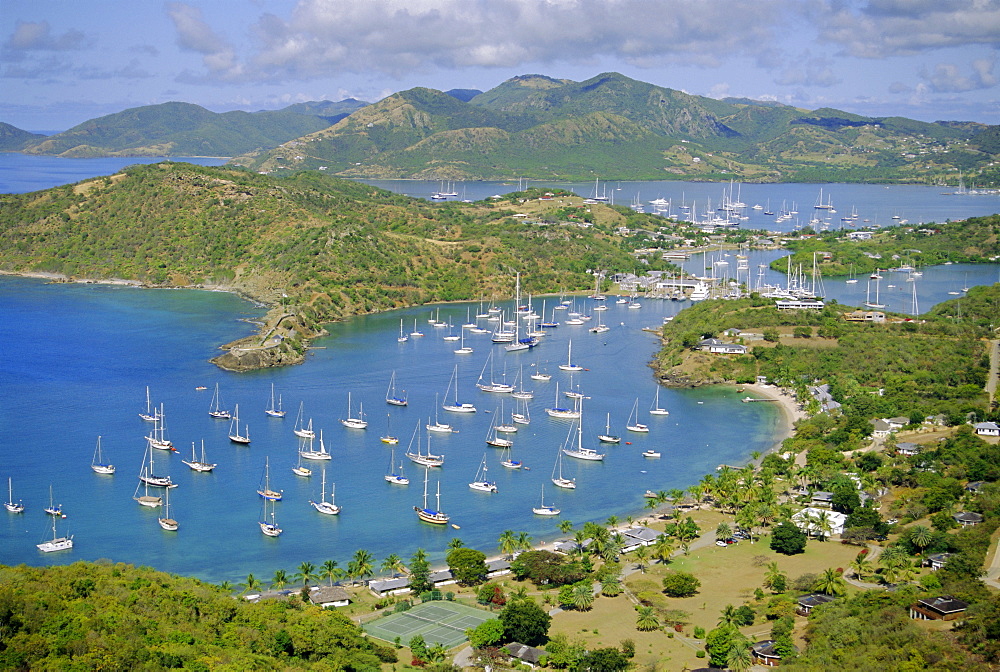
pixel 619 128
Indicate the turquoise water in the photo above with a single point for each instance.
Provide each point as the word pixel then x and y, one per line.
pixel 77 359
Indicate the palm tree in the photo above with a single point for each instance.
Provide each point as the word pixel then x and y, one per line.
pixel 611 586
pixel 612 521
pixel 579 538
pixel 392 564
pixel 250 584
pixel 583 596
pixel 641 556
pixel 647 619
pixel 306 573
pixel 520 593
pixel 362 564
pixel 728 616
pixel 663 548
pixel 774 577
pixel 524 541
pixel 508 543
pixel 862 567
pixel 330 571
pixel 455 543
pixel 740 656
pixel 723 532
pixel 921 536
pixel 830 582
pixel 279 580
pixel 565 526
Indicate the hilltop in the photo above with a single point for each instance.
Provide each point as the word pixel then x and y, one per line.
pixel 619 128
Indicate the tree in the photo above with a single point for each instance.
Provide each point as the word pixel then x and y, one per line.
pixel 663 548
pixel 831 582
pixel 565 526
pixel 583 596
pixel 740 656
pixel 728 616
pixel 524 541
pixel 507 543
pixel 788 539
pixel 775 579
pixel 717 644
pixel 641 556
pixel 607 659
pixel 279 580
pixel 362 564
pixel 330 571
pixel 418 647
pixel 723 532
pixel 647 619
pixel 525 622
pixel 680 584
pixel 921 536
pixel 420 572
pixel 392 564
pixel 487 633
pixel 467 565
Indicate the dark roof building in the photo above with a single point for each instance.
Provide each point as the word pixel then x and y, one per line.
pixel 941 608
pixel 968 518
pixel 765 654
pixel 524 653
pixel 809 602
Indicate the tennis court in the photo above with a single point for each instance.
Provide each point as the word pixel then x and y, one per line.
pixel 438 622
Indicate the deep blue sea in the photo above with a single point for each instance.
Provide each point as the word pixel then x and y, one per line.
pixel 76 360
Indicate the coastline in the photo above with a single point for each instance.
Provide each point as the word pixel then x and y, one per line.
pixel 790 411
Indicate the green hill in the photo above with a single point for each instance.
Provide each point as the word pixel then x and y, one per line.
pixel 619 128
pixel 13 139
pixel 183 129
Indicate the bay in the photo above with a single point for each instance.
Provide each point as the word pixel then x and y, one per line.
pixel 79 357
pixel 22 173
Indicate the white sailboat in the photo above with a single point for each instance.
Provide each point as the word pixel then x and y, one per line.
pixel 868 299
pixel 569 365
pixel 852 280
pixel 492 439
pixel 300 470
pixel 165 521
pixel 391 397
pixel 457 407
pixel 53 509
pixel 310 454
pixel 304 431
pixel 97 462
pixel 352 422
pixel 633 424
pixel 425 459
pixel 437 426
pixel 492 386
pixel 480 483
pixel 323 506
pixel 150 414
pixel 215 409
pixel 147 475
pixel 563 413
pixel 274 410
pixel 267 524
pixel 541 375
pixel 234 429
pixel 655 408
pixel 542 509
pixel 435 515
pixel 464 349
pixel 502 427
pixel 578 451
pixel 392 474
pixel 521 416
pixel 10 505
pixel 415 333
pixel 557 475
pixel 201 465
pixel 403 338
pixel 509 462
pixel 607 436
pixel 146 499
pixel 520 392
pixel 264 489
pixel 158 437
pixel 57 543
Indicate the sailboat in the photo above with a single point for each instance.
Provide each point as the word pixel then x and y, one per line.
pixel 311 454
pixel 491 435
pixel 52 509
pixel 579 452
pixel 437 426
pixel 435 515
pixel 395 477
pixel 415 333
pixel 268 527
pixel 566 413
pixel 457 407
pixel 542 509
pixel 150 414
pixel 507 461
pixel 9 504
pixel 403 338
pixel 275 410
pixel 868 299
pixel 607 436
pixel 426 459
pixel 388 438
pixel 304 431
pixel 492 386
pixel 851 280
pixel 520 392
pixel 601 327
pixel 569 365
pixel 98 464
pixel 633 424
pixel 557 475
pixel 57 543
pixel 234 429
pixel 299 470
pixel 215 409
pixel 158 437
pixel 352 422
pixel 264 490
pixel 480 483
pixel 165 521
pixel 202 464
pixel 391 397
pixel 464 349
pixel 322 505
pixel 655 408
pixel 505 428
pixel 540 375
pixel 146 499
pixel 147 476
pixel 521 417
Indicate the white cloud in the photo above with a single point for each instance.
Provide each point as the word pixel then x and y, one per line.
pixel 948 78
pixel 194 34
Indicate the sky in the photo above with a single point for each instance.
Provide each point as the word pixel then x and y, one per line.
pixel 64 62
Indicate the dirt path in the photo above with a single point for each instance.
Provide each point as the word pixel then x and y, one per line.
pixel 991 382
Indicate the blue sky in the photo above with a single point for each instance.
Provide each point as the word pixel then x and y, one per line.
pixel 63 62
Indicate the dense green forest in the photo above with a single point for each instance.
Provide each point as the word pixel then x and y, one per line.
pixel 976 239
pixel 88 616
